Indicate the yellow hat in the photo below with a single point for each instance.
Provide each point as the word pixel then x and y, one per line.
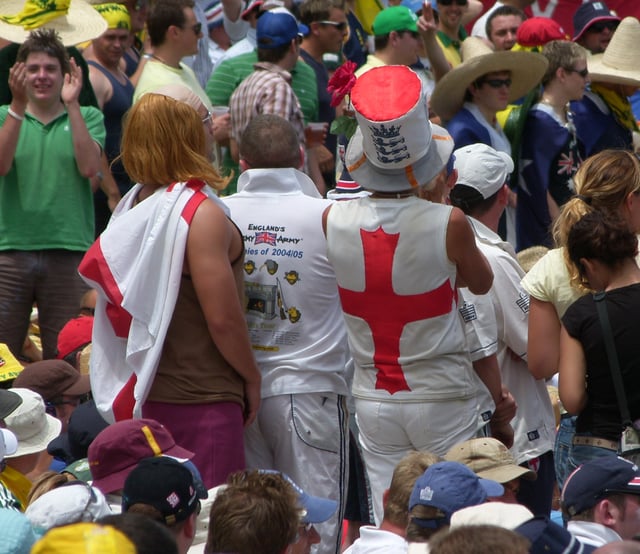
pixel 10 368
pixel 74 21
pixel 116 15
pixel 84 538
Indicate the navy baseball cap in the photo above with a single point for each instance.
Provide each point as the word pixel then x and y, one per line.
pixel 595 479
pixel 449 487
pixel 278 27
pixel 546 536
pixel 588 14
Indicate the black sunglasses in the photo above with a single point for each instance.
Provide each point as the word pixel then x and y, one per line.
pixel 582 72
pixel 496 83
pixel 449 2
pixel 600 26
pixel 196 28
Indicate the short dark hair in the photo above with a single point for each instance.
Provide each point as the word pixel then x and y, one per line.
pixel 256 512
pixel 147 535
pixel 48 42
pixel 380 42
pixel 600 236
pixel 162 15
pixel 318 10
pixel 471 201
pixel 501 11
pixel 258 148
pixel 272 55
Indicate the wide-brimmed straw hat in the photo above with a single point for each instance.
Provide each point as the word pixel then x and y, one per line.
pixel 78 22
pixel 396 147
pixel 618 64
pixel 527 68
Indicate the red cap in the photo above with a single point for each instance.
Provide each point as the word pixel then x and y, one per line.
pixel 537 31
pixel 74 334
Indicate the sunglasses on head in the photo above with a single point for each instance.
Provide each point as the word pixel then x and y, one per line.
pixel 495 83
pixel 600 26
pixel 449 2
pixel 340 26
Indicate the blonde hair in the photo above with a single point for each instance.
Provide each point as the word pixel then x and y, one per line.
pixel 163 142
pixel 603 182
pixel 404 477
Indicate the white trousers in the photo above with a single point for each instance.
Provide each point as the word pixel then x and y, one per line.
pixel 391 430
pixel 306 436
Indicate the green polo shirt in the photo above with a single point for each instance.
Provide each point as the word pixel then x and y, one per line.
pixel 230 73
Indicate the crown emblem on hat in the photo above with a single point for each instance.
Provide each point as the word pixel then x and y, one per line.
pixel 426 493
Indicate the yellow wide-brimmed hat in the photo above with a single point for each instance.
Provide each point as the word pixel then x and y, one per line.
pixel 74 21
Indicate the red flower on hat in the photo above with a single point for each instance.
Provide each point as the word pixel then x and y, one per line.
pixel 342 82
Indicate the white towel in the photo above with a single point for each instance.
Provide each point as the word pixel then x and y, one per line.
pixel 136 266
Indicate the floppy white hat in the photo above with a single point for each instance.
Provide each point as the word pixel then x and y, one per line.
pixel 79 21
pixel 31 424
pixel 619 62
pixel 396 147
pixel 527 68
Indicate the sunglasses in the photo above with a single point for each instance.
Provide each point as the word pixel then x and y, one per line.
pixel 208 118
pixel 583 72
pixel 496 83
pixel 450 2
pixel 600 26
pixel 340 26
pixel 196 28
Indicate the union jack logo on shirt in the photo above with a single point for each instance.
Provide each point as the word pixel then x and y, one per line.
pixel 265 238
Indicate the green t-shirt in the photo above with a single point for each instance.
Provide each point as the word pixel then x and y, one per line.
pixel 230 73
pixel 44 201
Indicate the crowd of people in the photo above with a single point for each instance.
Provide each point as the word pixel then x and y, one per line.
pixel 277 279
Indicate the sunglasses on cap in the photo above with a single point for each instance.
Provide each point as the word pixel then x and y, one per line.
pixel 495 83
pixel 340 26
pixel 600 26
pixel 450 2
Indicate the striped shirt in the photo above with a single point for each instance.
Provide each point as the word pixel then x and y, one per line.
pixel 230 73
pixel 266 90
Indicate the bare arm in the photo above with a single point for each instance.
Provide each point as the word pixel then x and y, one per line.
pixel 473 268
pixel 232 9
pixel 10 131
pixel 572 374
pixel 427 28
pixel 87 151
pixel 101 86
pixel 543 347
pixel 208 243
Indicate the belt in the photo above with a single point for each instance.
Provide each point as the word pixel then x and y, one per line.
pixel 595 441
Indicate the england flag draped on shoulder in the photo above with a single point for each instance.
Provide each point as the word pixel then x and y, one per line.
pixel 132 313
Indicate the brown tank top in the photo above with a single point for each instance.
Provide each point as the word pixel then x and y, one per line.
pixel 191 368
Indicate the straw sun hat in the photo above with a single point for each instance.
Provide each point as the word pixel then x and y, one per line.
pixel 618 64
pixel 79 22
pixel 478 59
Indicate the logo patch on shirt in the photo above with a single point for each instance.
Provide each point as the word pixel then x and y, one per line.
pixel 533 435
pixel 468 312
pixel 486 416
pixel 523 302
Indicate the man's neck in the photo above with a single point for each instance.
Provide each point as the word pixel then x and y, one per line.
pixel 167 55
pixel 45 112
pixel 386 56
pixel 313 49
pixel 488 114
pixel 389 527
pixel 452 32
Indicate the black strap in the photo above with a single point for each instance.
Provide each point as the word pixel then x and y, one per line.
pixel 612 355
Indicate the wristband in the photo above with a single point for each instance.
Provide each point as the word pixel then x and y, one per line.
pixel 147 56
pixel 15 115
